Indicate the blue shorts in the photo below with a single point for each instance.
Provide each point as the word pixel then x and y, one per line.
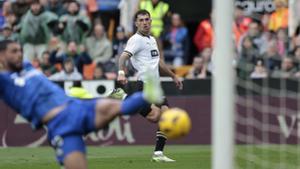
pixel 66 130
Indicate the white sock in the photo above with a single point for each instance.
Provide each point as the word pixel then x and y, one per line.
pixel 158 153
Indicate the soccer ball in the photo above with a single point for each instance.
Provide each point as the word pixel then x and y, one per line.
pixel 175 123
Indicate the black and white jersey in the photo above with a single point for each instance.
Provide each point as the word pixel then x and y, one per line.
pixel 144 54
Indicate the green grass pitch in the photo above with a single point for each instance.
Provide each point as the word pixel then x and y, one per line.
pixel 112 157
pixel 138 157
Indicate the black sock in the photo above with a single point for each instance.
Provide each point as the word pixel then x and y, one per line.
pixel 160 141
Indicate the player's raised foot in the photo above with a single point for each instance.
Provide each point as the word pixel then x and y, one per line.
pixel 152 89
pixel 118 93
pixel 161 158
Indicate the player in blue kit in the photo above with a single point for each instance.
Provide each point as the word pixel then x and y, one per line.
pixel 43 103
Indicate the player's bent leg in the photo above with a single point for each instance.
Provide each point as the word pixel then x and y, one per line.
pixel 106 111
pixel 75 160
pixel 154 115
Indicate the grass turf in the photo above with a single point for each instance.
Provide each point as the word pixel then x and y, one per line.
pixel 113 157
pixel 138 157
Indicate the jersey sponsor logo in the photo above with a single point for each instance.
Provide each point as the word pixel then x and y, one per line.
pixel 154 53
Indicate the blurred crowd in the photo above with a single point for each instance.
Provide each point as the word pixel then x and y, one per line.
pixel 82 39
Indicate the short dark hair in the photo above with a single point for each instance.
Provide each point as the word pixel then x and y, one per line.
pixel 69 60
pixel 5 43
pixel 35 2
pixel 141 12
pixel 76 2
pixel 46 52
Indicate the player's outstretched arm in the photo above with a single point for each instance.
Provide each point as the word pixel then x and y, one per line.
pixel 122 66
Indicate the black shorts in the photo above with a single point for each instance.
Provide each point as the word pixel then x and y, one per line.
pixel 146 110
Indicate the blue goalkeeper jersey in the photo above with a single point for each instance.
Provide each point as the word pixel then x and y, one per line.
pixel 30 93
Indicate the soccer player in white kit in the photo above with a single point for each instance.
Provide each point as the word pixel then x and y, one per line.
pixel 143 52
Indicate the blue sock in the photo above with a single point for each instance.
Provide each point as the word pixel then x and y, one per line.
pixel 133 103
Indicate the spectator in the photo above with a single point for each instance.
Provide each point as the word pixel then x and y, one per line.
pixel 21 7
pixel 73 25
pixel 44 3
pixel 249 51
pixel 2 19
pixel 287 69
pixel 108 14
pixel 282 41
pixel 296 55
pixel 279 18
pixel 36 63
pixel 11 19
pixel 241 23
pixel 7 33
pixel 203 37
pixel 127 11
pixel 47 68
pixel 8 15
pixel 56 7
pixel 110 69
pixel 158 11
pixel 35 31
pixel 6 8
pixel 271 56
pixel 257 37
pixel 91 6
pixel 69 72
pixel 4 12
pixel 176 42
pixel 259 71
pixel 240 20
pixel 55 43
pixel 247 58
pixel 99 72
pixel 199 70
pixel 265 19
pixel 98 46
pixel 295 42
pixel 119 42
pixel 79 57
pixel 206 55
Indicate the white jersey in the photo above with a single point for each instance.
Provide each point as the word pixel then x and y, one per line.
pixel 144 54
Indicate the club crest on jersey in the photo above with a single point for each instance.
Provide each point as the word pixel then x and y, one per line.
pixel 19 81
pixel 154 53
